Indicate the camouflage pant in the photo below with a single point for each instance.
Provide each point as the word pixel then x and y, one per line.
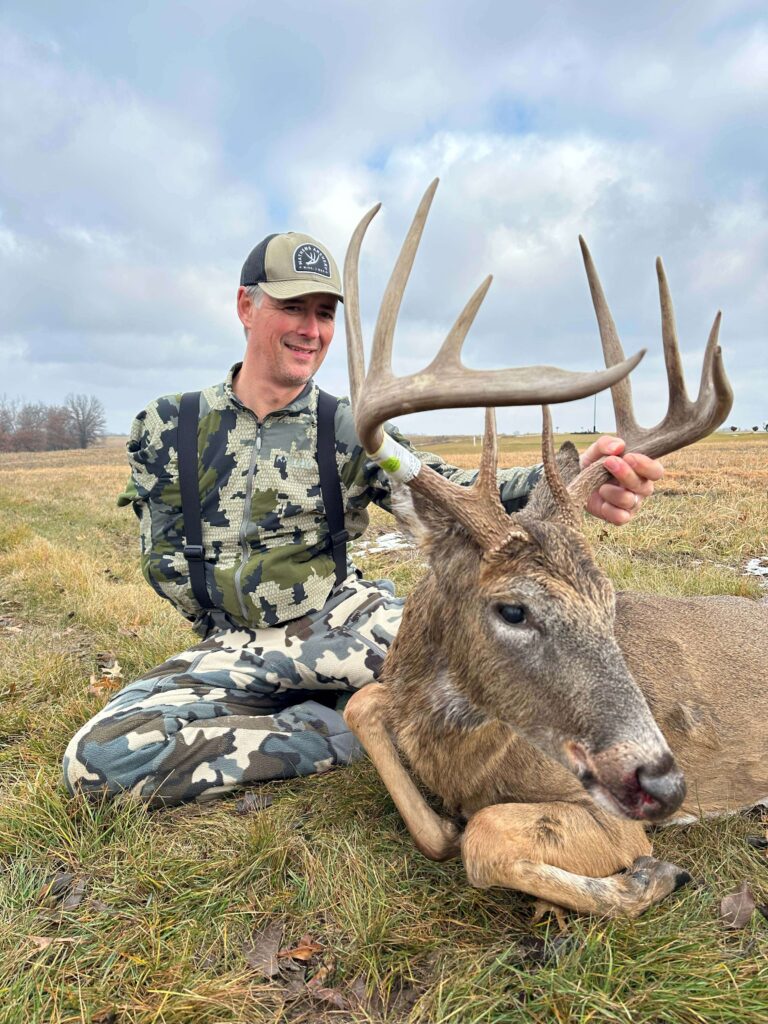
pixel 232 710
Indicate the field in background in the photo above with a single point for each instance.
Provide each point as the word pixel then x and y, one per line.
pixel 168 901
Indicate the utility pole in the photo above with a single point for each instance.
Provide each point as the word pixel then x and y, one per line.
pixel 594 416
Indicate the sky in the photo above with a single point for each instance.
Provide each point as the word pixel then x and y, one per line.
pixel 147 147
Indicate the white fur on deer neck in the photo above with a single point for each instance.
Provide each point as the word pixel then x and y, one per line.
pixel 397 462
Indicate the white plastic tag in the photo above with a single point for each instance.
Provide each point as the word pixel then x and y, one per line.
pixel 397 462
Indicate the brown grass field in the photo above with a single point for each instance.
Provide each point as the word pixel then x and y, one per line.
pixel 151 922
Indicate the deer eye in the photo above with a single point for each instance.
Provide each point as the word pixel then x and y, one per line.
pixel 514 614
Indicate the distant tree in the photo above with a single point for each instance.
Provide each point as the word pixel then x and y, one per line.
pixel 59 429
pixel 87 419
pixel 30 433
pixel 755 428
pixel 734 429
pixel 8 413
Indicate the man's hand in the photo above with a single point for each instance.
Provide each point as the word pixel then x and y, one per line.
pixel 634 476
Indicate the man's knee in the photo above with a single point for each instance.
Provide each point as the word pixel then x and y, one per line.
pixel 115 754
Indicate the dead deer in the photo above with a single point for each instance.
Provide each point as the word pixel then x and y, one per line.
pixel 548 713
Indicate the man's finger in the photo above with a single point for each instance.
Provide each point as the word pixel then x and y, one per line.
pixel 623 498
pixel 649 469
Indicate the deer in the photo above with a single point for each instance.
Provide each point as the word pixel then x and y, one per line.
pixel 551 719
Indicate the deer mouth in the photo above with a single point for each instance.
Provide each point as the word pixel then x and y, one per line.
pixel 639 792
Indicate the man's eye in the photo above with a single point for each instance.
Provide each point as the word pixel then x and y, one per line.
pixel 514 614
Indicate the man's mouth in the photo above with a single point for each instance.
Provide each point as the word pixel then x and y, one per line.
pixel 301 350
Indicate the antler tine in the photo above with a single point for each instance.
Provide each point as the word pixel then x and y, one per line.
pixel 566 510
pixel 449 355
pixel 714 382
pixel 675 378
pixel 478 508
pixel 384 333
pixel 613 352
pixel 486 476
pixel 685 421
pixel 354 330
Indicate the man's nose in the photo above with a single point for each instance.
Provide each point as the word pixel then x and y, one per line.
pixel 310 325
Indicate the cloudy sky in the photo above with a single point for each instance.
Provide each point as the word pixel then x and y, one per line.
pixel 146 147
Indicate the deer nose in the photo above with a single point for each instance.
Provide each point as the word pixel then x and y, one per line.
pixel 662 784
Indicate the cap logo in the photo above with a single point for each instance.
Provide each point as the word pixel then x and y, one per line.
pixel 309 259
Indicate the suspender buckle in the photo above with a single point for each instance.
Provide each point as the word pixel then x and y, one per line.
pixel 337 539
pixel 194 552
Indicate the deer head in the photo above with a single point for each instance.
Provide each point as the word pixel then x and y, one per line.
pixel 515 623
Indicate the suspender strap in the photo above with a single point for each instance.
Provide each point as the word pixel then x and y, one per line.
pixel 189 485
pixel 330 486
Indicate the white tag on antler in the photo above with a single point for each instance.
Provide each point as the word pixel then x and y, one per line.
pixel 397 462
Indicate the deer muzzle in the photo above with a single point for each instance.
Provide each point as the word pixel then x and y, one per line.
pixel 644 789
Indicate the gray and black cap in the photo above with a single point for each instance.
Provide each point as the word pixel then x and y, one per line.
pixel 288 265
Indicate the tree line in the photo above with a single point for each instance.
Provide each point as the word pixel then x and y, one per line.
pixel 37 427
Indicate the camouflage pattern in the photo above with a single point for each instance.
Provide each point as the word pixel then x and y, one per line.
pixel 264 528
pixel 233 710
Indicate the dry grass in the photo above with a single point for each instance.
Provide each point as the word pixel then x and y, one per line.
pixel 172 896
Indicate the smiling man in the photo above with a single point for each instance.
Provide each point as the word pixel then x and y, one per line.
pixel 289 626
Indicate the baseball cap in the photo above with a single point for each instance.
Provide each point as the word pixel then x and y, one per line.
pixel 291 264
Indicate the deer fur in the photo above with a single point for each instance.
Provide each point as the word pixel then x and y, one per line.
pixel 444 708
pixel 538 705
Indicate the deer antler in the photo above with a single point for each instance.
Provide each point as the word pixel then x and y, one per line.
pixel 685 421
pixel 444 384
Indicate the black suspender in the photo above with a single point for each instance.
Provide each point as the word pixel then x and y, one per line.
pixel 330 485
pixel 189 485
pixel 330 488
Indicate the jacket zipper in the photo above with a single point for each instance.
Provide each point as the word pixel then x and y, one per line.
pixel 246 517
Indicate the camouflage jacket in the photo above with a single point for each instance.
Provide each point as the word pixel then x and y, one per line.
pixel 267 544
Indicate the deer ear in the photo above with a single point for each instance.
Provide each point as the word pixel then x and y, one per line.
pixel 421 520
pixel 541 505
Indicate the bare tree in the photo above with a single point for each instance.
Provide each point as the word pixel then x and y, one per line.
pixel 8 415
pixel 30 433
pixel 59 429
pixel 87 418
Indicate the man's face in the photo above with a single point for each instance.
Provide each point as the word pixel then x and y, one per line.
pixel 288 338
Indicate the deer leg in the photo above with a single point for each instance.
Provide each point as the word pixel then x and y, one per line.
pixel 567 855
pixel 365 714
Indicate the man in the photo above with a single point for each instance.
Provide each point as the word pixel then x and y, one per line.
pixel 255 700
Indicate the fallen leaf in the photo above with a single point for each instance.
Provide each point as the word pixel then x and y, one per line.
pixel 305 950
pixel 253 802
pixel 292 988
pixel 42 942
pixel 56 886
pixel 737 908
pixel 99 906
pixel 106 683
pixel 75 896
pixel 332 996
pixel 321 993
pixel 261 951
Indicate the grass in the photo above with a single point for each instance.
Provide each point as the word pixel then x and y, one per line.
pixel 171 898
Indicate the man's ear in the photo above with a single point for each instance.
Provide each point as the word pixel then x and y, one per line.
pixel 541 505
pixel 245 307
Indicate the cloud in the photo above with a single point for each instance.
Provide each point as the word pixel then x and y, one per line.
pixel 143 166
